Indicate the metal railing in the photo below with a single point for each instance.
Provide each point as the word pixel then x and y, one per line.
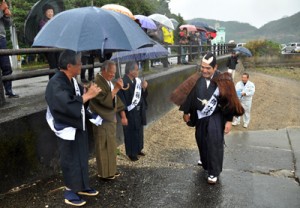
pixel 192 51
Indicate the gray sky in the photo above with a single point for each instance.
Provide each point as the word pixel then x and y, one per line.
pixel 254 12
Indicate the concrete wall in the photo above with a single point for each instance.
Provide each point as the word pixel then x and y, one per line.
pixel 28 148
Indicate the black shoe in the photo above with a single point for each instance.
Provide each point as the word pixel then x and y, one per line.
pixel 13 95
pixel 133 158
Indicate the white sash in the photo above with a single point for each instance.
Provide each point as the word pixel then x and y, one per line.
pixel 67 133
pixel 137 94
pixel 210 105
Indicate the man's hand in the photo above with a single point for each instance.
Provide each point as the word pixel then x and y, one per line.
pixel 124 121
pixel 91 92
pixel 119 83
pixel 144 84
pixel 228 127
pixel 186 117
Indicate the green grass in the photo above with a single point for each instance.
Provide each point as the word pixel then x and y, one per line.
pixel 288 72
pixel 34 66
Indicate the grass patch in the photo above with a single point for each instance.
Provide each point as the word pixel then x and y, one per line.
pixel 34 66
pixel 289 72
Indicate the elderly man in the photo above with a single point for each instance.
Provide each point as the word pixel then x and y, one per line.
pixel 135 107
pixel 66 116
pixel 245 90
pixel 106 105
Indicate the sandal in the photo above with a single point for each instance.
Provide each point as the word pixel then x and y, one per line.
pixel 89 192
pixel 73 199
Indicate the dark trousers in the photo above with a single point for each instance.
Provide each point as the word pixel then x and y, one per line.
pixel 52 59
pixel 210 141
pixel 5 67
pixel 87 60
pixel 74 161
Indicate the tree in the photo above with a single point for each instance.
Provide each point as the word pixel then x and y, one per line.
pixel 21 8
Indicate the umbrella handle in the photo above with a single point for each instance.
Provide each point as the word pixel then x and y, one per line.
pixel 126 88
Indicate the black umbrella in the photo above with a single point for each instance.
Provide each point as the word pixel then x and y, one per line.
pixel 31 26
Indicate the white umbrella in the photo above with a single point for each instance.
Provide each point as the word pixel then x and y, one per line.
pixel 162 19
pixel 175 22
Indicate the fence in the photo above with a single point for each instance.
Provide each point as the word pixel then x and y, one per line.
pixel 191 51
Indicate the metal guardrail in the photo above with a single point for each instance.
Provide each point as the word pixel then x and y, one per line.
pixel 192 50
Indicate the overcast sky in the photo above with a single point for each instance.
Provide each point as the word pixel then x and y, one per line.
pixel 254 12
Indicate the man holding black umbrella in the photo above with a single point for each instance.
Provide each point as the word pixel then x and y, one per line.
pixel 5 66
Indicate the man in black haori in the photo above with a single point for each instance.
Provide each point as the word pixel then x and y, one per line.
pixel 66 115
pixel 135 108
pixel 204 109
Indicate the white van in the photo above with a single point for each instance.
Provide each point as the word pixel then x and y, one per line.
pixel 240 44
pixel 290 48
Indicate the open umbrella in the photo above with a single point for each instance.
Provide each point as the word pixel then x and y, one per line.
pixel 83 29
pixel 204 26
pixel 190 28
pixel 154 52
pixel 175 22
pixel 243 50
pixel 31 26
pixel 162 19
pixel 119 8
pixel 146 22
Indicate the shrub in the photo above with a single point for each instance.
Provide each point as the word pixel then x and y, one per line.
pixel 263 48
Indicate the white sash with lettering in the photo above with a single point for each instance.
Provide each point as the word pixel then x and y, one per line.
pixel 137 94
pixel 210 106
pixel 67 133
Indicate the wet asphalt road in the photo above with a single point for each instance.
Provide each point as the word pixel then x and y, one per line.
pixel 260 170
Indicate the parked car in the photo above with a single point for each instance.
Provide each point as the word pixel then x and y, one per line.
pixel 297 49
pixel 240 44
pixel 291 47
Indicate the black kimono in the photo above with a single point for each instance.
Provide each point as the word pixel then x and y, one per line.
pixel 209 130
pixel 65 107
pixel 134 132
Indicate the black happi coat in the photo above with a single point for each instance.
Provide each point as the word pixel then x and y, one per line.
pixel 134 132
pixel 65 107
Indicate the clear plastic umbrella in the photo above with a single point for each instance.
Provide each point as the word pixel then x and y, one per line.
pixel 162 19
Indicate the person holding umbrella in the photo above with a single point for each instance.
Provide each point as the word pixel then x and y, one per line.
pixel 52 58
pixel 5 66
pixel 231 63
pixel 135 108
pixel 106 105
